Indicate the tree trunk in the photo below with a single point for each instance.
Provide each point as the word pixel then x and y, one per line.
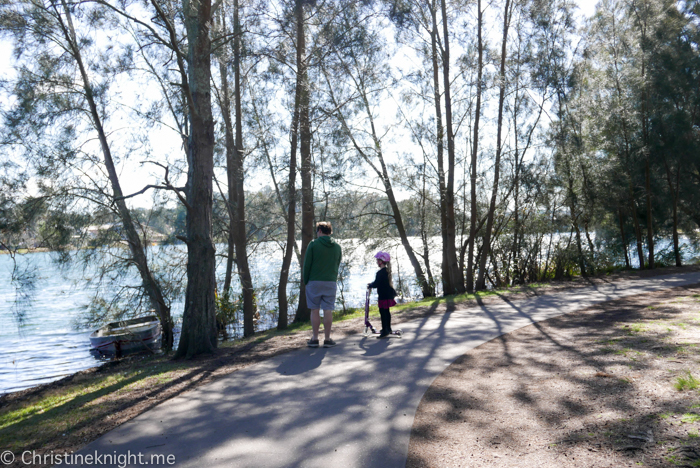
pixel 136 247
pixel 650 218
pixel 448 286
pixel 623 238
pixel 291 200
pixel 456 274
pixel 645 142
pixel 230 145
pixel 543 274
pixel 475 149
pixel 591 247
pixel 674 196
pixel 637 227
pixel 480 282
pixel 424 232
pixel 282 302
pixel 575 227
pixel 239 172
pixel 198 322
pixel 307 196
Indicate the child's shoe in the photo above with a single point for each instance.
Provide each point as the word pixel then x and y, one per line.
pixel 383 334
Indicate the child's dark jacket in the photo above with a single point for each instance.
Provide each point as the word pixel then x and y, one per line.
pixel 381 282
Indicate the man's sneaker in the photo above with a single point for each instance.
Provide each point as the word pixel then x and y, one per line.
pixel 312 343
pixel 329 343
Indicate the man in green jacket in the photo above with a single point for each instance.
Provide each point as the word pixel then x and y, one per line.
pixel 321 264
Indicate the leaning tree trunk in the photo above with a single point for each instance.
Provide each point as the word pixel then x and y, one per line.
pixel 485 251
pixel 282 301
pixel 198 322
pixel 383 174
pixel 138 253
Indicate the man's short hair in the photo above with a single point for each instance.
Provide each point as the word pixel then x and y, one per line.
pixel 325 227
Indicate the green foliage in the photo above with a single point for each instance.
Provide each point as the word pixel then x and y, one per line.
pixel 687 382
pixel 229 311
pixel 690 418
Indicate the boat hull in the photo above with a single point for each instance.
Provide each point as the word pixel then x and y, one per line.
pixel 128 336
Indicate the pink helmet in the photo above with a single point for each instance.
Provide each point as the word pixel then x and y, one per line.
pixel 383 256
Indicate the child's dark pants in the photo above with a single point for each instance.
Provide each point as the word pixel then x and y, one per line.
pixel 386 319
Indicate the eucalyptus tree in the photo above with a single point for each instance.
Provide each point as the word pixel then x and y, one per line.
pixel 609 48
pixel 674 68
pixel 302 106
pixel 63 90
pixel 358 79
pixel 229 54
pixel 507 16
pixel 539 58
pixel 198 322
pixel 475 147
pixel 626 37
pixel 180 37
pixel 428 26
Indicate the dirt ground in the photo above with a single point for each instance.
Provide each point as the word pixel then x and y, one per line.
pixel 118 403
pixel 596 388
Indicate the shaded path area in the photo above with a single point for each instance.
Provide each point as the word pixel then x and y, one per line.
pixel 606 386
pixel 350 406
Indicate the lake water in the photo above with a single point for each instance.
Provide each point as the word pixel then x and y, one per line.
pixel 47 345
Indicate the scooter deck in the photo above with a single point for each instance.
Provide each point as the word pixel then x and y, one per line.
pixel 394 334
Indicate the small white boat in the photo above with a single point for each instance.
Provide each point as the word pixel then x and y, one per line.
pixel 127 336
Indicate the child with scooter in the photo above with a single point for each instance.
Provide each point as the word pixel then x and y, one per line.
pixel 386 293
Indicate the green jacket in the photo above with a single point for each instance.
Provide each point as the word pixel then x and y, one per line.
pixel 322 260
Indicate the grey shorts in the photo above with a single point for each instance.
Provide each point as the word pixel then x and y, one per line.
pixel 321 295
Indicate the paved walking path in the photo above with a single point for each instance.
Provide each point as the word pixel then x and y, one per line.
pixel 348 406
